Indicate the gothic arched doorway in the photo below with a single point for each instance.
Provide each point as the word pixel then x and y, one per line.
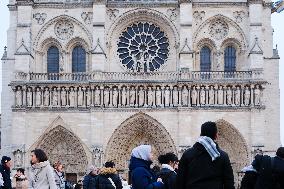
pixel 62 145
pixel 232 141
pixel 136 130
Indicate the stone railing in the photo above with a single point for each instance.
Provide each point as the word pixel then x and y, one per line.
pixel 130 76
pixel 156 95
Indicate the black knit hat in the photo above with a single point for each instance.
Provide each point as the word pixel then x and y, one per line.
pixel 5 159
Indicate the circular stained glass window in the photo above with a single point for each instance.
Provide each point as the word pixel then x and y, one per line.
pixel 143 47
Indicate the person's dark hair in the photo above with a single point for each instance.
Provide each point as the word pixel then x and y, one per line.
pixel 209 129
pixel 167 158
pixel 40 155
pixel 21 170
pixel 109 164
pixel 280 152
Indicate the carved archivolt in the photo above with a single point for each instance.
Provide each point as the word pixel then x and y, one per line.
pixel 62 145
pixel 138 129
pixel 232 141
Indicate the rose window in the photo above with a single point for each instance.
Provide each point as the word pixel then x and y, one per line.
pixel 143 47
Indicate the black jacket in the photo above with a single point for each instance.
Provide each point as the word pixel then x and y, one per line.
pixel 168 177
pixel 89 182
pixel 6 177
pixel 197 171
pixel 103 181
pixel 269 175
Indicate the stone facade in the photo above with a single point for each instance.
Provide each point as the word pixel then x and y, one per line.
pixel 143 81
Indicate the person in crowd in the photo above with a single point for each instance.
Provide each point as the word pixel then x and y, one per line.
pixel 42 174
pixel 5 171
pixel 20 180
pixel 90 177
pixel 249 178
pixel 141 174
pixel 270 170
pixel 205 165
pixel 108 177
pixel 169 162
pixel 79 184
pixel 59 175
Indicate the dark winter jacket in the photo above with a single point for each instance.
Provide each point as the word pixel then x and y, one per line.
pixel 198 171
pixel 89 181
pixel 249 180
pixel 168 177
pixel 141 175
pixel 6 177
pixel 269 175
pixel 103 180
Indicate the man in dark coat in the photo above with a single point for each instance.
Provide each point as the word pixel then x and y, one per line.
pixel 270 170
pixel 5 168
pixel 205 165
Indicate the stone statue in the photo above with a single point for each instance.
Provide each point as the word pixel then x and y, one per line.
pixel 202 96
pixel 247 96
pixel 55 97
pixel 19 97
pixel 123 96
pixel 184 96
pixel 38 97
pixel 132 96
pixel 72 97
pixel 29 97
pixel 106 97
pixel 88 97
pixel 175 96
pixel 158 96
pixel 97 96
pixel 237 96
pixel 220 95
pixel 141 97
pixel 63 96
pixel 46 97
pixel 229 96
pixel 18 158
pixel 115 97
pixel 167 96
pixel 150 95
pixel 211 95
pixel 194 96
pixel 257 95
pixel 80 96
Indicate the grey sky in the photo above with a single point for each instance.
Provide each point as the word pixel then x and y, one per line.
pixel 277 23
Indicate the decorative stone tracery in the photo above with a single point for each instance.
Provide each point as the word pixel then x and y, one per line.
pixel 219 29
pixel 64 29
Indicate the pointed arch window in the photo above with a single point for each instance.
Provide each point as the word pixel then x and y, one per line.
pixel 230 59
pixel 53 60
pixel 205 59
pixel 78 59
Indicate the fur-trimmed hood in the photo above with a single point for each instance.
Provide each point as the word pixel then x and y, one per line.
pixel 107 171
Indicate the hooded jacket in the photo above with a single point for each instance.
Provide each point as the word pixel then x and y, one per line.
pixel 169 177
pixel 42 176
pixel 107 178
pixel 141 175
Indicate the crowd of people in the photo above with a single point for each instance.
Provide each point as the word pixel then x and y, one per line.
pixel 203 166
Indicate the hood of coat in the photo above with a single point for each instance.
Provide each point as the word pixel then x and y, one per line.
pixel 108 171
pixel 136 162
pixel 40 165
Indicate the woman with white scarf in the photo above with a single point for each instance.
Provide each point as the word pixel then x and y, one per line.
pixel 141 175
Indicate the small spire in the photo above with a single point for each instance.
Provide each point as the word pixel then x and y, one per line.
pixel 5 48
pixel 4 56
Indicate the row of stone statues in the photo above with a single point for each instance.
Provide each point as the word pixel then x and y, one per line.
pixel 138 96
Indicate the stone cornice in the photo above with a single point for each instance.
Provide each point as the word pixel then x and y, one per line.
pixel 60 5
pixel 138 4
pixel 218 4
